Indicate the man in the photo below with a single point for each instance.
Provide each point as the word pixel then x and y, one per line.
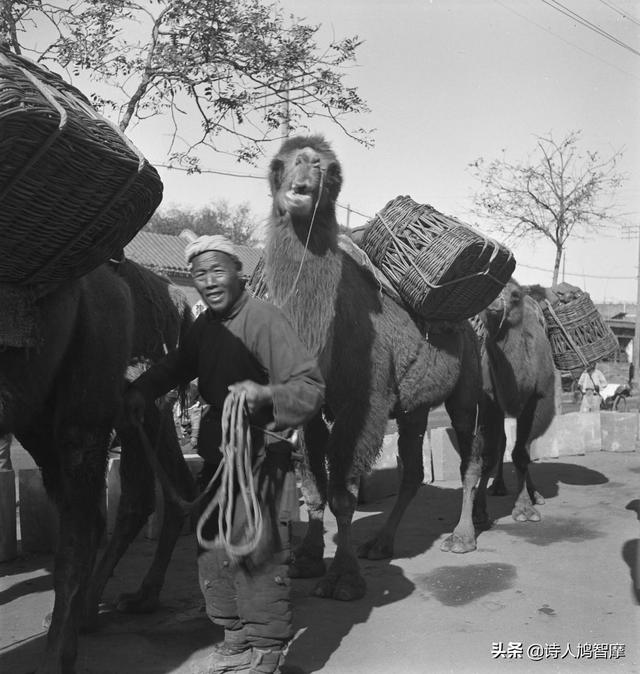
pixel 592 380
pixel 241 344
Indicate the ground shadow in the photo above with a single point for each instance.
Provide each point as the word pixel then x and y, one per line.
pixel 547 475
pixel 322 624
pixel 22 588
pixel 27 564
pixel 435 510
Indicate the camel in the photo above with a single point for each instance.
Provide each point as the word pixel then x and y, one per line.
pixel 518 375
pixel 62 399
pixel 376 363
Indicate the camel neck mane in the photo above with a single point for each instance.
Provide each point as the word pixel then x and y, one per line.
pixel 304 283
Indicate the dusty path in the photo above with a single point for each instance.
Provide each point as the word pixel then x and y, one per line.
pixel 565 581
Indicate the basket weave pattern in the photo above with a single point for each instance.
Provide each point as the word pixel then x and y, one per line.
pixel 442 268
pixel 73 189
pixel 583 327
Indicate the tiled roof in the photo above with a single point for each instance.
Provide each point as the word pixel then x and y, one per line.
pixel 164 253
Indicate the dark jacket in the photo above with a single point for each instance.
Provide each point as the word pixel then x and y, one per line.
pixel 254 341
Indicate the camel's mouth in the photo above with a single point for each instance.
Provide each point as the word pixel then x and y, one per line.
pixel 297 203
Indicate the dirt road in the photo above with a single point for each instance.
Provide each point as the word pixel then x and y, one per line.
pixel 537 597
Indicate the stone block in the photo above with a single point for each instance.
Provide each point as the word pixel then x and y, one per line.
pixel 38 514
pixel 619 431
pixel 570 434
pixel 445 454
pixel 8 531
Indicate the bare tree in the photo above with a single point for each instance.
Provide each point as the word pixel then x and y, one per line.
pixel 241 67
pixel 558 192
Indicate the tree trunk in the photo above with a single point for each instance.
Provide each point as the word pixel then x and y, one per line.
pixel 556 264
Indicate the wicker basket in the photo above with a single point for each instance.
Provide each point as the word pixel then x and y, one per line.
pixel 443 269
pixel 578 334
pixel 73 189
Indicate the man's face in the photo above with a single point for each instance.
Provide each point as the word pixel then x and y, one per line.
pixel 217 279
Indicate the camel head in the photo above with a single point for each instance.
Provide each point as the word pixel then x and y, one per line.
pixel 305 176
pixel 506 311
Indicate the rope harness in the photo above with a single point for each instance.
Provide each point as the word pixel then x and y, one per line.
pixel 306 243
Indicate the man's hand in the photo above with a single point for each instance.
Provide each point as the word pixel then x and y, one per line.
pixel 134 406
pixel 257 396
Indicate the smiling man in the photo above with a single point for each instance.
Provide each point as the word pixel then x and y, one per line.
pixel 240 343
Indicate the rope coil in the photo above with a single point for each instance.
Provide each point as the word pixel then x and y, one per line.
pixel 234 469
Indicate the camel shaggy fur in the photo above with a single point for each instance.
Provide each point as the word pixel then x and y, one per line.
pixel 62 399
pixel 376 363
pixel 518 374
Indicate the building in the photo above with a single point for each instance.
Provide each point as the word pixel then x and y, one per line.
pixel 164 254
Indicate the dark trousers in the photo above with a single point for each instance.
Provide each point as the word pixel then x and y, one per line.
pixel 253 592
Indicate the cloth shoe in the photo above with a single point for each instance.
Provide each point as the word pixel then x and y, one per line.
pixel 265 661
pixel 234 662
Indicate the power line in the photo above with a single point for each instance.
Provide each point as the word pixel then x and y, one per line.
pixel 558 6
pixel 571 44
pixel 205 170
pixel 606 278
pixel 623 14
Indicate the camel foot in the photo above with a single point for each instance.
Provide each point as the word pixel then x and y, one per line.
pixel 498 488
pixel 142 601
pixel 460 544
pixel 538 498
pixel 525 512
pixel 345 587
pixel 375 549
pixel 302 566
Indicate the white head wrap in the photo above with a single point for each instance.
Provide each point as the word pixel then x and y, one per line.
pixel 203 244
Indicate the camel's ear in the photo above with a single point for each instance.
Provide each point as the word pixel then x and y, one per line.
pixel 334 179
pixel 276 174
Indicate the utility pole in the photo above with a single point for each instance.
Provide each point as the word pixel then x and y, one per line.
pixel 636 334
pixel 285 127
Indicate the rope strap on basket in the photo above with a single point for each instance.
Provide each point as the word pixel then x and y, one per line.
pixel 234 469
pixel 572 344
pixel 455 281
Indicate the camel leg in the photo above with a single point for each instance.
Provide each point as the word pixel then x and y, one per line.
pixel 356 431
pixel 499 488
pixel 308 558
pixel 76 484
pixel 137 502
pixel 542 418
pixel 411 429
pixel 492 425
pixel 524 510
pixel 343 580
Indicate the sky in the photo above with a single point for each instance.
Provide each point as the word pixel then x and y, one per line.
pixel 449 81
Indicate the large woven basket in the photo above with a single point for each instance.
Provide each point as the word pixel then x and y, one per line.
pixel 578 334
pixel 73 189
pixel 443 269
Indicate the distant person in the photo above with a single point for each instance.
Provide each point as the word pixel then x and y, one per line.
pixel 5 451
pixel 592 380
